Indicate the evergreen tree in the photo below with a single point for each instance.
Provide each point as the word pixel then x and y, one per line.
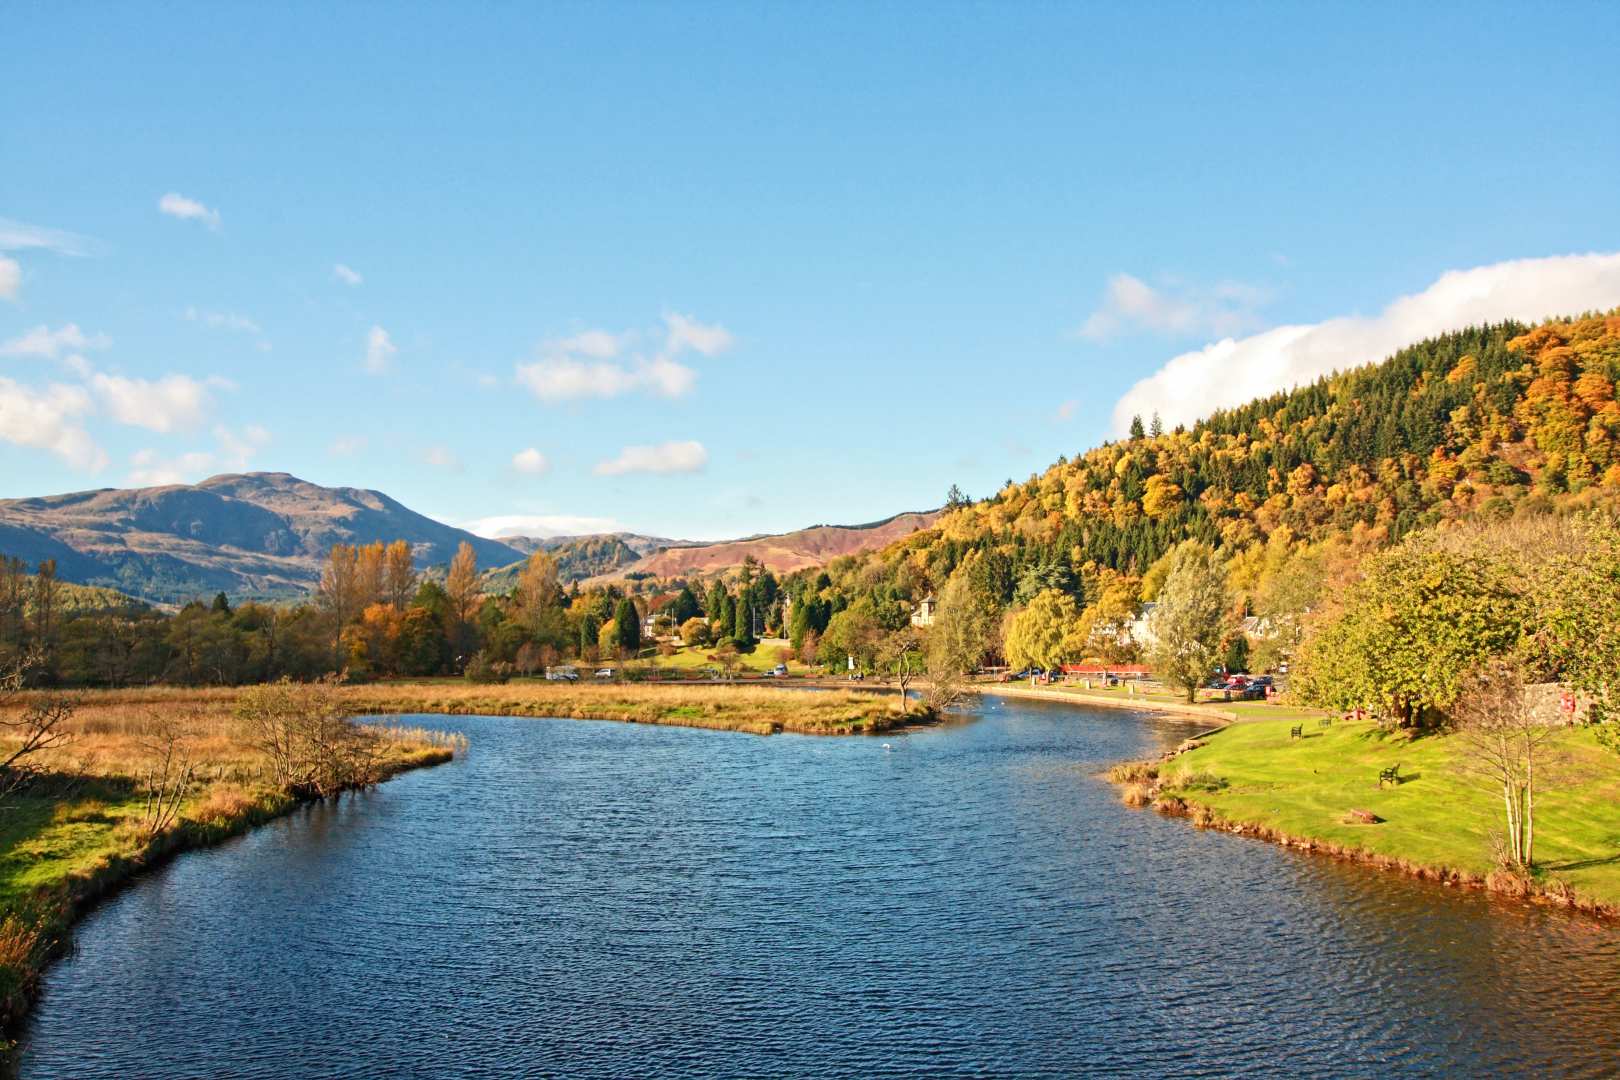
pixel 685 606
pixel 627 628
pixel 1137 431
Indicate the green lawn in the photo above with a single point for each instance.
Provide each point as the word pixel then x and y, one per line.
pixel 1438 816
pixel 43 840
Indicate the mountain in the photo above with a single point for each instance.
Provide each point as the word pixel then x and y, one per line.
pixel 780 553
pixel 636 543
pixel 252 534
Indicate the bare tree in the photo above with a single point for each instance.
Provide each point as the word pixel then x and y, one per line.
pixel 312 748
pixel 39 726
pixel 1504 742
pixel 901 648
pixel 168 776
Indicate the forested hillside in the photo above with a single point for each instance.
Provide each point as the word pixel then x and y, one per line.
pixel 1292 490
pixel 1492 421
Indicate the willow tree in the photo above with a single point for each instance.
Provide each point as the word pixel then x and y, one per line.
pixel 1192 618
pixel 1044 633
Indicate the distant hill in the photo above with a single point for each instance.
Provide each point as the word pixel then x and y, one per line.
pixel 637 543
pixel 782 552
pixel 252 534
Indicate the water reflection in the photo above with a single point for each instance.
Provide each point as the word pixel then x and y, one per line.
pixel 609 900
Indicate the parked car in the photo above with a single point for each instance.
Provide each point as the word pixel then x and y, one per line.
pixel 777 672
pixel 562 676
pixel 604 673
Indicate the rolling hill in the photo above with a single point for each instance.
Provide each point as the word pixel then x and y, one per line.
pixel 252 534
pixel 781 552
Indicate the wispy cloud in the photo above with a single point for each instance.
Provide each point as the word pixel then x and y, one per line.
pixel 346 274
pixel 10 279
pixel 1065 411
pixel 179 206
pixel 347 445
pixel 684 332
pixel 661 459
pixel 530 461
pixel 171 403
pixel 380 350
pixel 1233 371
pixel 50 419
pixel 541 525
pixel 234 451
pixel 19 236
pixel 441 457
pixel 1131 304
pixel 43 342
pixel 224 320
pixel 600 363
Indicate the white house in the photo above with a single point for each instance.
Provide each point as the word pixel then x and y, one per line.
pixel 924 613
pixel 1140 628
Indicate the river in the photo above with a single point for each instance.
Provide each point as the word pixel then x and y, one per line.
pixel 611 900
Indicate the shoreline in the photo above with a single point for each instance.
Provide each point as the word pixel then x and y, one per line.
pixel 1141 788
pixel 37 930
pixel 1225 716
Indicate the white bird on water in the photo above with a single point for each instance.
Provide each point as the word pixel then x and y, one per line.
pixel 886 746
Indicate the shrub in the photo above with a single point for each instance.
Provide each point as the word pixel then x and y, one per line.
pixel 1136 795
pixel 1127 772
pixel 480 669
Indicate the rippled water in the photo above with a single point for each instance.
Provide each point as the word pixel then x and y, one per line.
pixel 609 900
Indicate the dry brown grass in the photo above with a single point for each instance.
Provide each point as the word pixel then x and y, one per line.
pixel 755 709
pixel 113 722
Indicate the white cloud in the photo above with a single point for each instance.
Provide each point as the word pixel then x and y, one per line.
pixel 348 445
pixel 168 404
pixel 224 320
pixel 380 349
pixel 17 236
pixel 505 525
pixel 178 206
pixel 685 332
pixel 595 364
pixel 234 451
pixel 148 468
pixel 44 342
pixel 595 344
pixel 530 461
pixel 442 457
pixel 10 278
pixel 664 458
pixel 346 274
pixel 1234 371
pixel 565 378
pixel 50 420
pixel 1065 411
pixel 1132 304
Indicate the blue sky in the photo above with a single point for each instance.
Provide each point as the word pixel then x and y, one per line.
pixel 707 270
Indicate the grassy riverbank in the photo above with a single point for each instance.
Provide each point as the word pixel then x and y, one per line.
pixel 86 826
pixel 1254 778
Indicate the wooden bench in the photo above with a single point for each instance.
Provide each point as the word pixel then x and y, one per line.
pixel 1297 731
pixel 1326 721
pixel 1391 775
